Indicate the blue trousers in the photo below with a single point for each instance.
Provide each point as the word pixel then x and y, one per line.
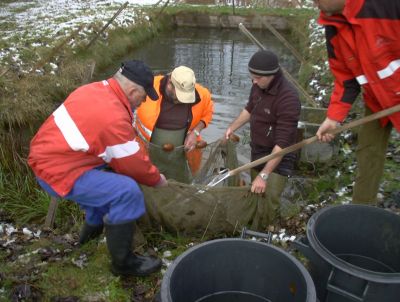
pixel 103 193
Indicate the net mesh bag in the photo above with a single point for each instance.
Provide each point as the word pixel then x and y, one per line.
pixel 188 206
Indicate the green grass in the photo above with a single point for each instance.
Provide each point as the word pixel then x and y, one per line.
pixel 228 10
pixel 7 26
pixel 95 280
pixel 5 2
pixel 62 278
pixel 26 203
pixel 21 9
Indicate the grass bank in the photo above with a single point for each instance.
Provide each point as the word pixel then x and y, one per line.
pixel 29 97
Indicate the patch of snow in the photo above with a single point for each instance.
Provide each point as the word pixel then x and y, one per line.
pixel 32 22
pixel 317 40
pixel 27 232
pixel 8 229
pixel 167 254
pixel 166 263
pixel 8 242
pixel 347 200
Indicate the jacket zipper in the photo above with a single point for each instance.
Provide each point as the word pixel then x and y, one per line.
pixel 269 130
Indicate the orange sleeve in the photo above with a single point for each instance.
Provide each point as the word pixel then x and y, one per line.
pixel 207 105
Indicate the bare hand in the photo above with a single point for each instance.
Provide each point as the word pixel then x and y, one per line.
pixel 228 132
pixel 258 185
pixel 162 182
pixel 190 141
pixel 327 125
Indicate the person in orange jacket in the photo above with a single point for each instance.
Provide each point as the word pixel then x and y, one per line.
pixel 184 108
pixel 363 43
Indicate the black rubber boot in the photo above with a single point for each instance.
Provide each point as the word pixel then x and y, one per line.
pixel 90 232
pixel 124 261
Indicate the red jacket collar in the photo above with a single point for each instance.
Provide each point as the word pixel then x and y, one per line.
pixel 332 20
pixel 350 11
pixel 120 94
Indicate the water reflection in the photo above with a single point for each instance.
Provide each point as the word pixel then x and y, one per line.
pixel 219 59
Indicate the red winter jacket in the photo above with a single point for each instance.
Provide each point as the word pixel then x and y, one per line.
pixel 364 51
pixel 91 128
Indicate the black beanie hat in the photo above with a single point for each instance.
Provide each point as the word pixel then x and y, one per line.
pixel 264 63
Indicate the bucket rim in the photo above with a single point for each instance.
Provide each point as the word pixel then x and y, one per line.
pixel 311 294
pixel 322 251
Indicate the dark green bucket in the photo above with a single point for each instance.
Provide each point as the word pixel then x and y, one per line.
pixel 236 270
pixel 354 253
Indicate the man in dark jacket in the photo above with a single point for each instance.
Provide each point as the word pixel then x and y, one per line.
pixel 273 111
pixel 362 38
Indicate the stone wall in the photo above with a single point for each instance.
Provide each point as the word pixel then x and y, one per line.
pixel 228 21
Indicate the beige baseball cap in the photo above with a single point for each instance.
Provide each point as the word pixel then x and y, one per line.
pixel 184 80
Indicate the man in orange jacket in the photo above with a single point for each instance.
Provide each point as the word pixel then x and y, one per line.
pixel 183 109
pixel 363 43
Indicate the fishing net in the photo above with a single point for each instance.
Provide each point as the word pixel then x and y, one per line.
pixel 190 207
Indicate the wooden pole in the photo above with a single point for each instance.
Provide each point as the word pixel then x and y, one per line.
pixel 5 71
pixel 123 6
pixel 158 2
pixel 162 9
pixel 299 145
pixel 284 41
pixel 51 213
pixel 307 97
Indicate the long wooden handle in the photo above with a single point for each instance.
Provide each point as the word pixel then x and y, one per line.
pixel 361 121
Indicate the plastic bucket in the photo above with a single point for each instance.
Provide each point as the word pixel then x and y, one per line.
pixel 236 270
pixel 354 253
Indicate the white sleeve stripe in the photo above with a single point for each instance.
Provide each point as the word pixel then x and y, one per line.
pixel 362 79
pixel 69 130
pixel 119 151
pixel 389 70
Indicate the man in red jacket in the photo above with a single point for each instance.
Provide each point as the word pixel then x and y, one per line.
pixel 92 130
pixel 363 43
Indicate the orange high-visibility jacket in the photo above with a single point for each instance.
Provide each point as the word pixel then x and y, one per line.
pixel 148 112
pixel 364 51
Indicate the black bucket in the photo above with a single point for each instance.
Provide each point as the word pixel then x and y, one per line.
pixel 354 253
pixel 236 270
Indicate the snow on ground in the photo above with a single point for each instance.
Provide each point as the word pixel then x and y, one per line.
pixel 30 24
pixel 317 40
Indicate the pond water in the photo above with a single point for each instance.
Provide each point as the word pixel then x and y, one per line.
pixel 219 59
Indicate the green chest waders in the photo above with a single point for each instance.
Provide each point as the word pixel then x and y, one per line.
pixel 172 164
